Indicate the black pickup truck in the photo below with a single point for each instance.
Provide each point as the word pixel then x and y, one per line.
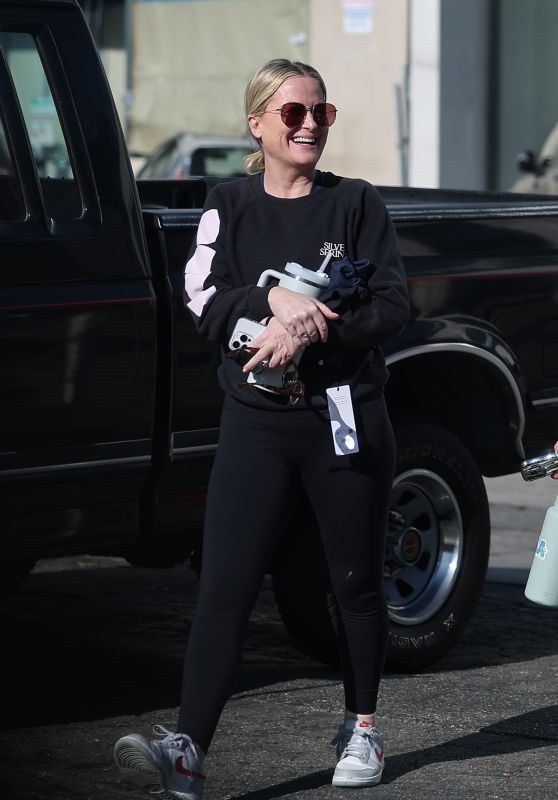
pixel 109 406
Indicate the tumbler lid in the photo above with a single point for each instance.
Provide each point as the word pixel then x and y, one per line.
pixel 301 273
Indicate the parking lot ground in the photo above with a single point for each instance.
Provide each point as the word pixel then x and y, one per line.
pixel 93 648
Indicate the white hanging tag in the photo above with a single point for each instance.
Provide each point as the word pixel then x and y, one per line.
pixel 342 419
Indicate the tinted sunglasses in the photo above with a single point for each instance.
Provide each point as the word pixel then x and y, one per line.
pixel 294 114
pixel 292 387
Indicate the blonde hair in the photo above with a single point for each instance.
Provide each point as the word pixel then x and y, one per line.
pixel 262 86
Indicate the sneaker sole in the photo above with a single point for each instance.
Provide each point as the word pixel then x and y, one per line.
pixel 354 780
pixel 136 763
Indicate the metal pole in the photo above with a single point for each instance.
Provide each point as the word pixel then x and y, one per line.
pixel 402 94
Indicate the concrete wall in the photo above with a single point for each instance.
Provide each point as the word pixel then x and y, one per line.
pixel 192 60
pixel 380 60
pixel 424 96
pixel 467 87
pixel 362 58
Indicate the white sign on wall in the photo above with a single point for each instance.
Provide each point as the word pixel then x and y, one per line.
pixel 358 16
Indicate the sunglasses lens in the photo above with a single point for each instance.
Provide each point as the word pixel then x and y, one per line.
pixel 324 114
pixel 293 114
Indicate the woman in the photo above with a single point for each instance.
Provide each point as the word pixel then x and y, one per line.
pixel 273 445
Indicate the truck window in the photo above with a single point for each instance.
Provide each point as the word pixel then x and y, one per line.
pixel 61 193
pixel 11 202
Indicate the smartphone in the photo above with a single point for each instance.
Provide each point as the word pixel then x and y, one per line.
pixel 244 331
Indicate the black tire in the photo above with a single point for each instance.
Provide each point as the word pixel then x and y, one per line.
pixel 438 490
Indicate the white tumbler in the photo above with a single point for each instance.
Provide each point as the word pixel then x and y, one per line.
pixel 542 585
pixel 299 279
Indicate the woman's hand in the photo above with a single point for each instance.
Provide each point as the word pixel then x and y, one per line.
pixel 274 346
pixel 555 474
pixel 303 318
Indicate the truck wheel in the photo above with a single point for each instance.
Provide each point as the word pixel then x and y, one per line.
pixel 436 557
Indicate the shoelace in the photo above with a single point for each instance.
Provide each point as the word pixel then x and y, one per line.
pixel 181 740
pixel 358 743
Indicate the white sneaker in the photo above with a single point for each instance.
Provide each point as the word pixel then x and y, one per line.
pixel 170 767
pixel 360 754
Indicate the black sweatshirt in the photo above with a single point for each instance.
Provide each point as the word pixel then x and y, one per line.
pixel 244 231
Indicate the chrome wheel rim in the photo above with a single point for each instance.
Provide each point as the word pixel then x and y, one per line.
pixel 425 501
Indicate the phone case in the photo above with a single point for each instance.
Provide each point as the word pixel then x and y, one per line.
pixel 244 331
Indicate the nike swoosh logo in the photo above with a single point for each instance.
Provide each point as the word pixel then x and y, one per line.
pixel 190 773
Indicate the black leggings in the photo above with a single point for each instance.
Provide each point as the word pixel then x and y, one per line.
pixel 263 458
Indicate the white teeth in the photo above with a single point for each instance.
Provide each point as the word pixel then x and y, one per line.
pixel 304 139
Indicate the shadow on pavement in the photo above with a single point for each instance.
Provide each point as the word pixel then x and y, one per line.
pixel 313 781
pixel 100 643
pixel 88 643
pixel 528 731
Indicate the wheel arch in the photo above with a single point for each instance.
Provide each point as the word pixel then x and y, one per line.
pixel 468 390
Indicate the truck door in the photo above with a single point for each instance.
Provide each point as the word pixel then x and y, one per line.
pixel 77 306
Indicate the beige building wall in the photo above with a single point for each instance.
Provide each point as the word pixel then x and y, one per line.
pixel 191 61
pixel 361 50
pixel 114 62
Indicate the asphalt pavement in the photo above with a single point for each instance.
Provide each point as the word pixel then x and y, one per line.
pixel 92 648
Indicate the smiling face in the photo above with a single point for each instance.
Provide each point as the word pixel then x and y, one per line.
pixel 291 150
